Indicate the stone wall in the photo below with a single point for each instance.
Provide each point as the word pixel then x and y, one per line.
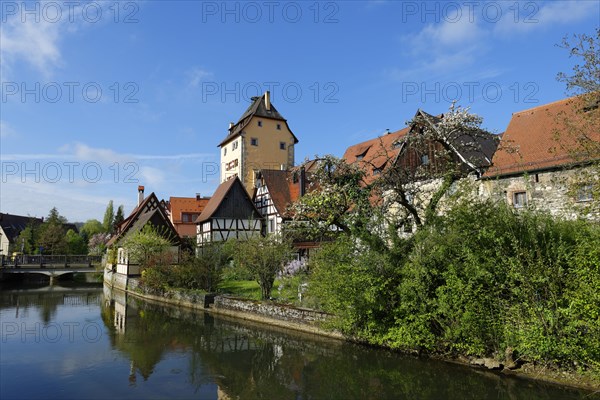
pixel 270 310
pixel 552 191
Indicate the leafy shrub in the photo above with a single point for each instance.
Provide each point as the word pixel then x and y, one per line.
pixel 479 280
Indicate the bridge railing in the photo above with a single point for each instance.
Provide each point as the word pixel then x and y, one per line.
pixel 49 261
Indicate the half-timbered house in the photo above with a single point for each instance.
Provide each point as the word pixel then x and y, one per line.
pixel 229 214
pixel 149 211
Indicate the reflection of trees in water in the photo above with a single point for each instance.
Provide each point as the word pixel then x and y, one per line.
pixel 46 301
pixel 247 361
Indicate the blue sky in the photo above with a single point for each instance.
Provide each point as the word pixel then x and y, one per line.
pixel 100 97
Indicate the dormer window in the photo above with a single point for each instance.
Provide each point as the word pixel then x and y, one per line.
pixel 376 171
pixel 362 153
pixel 259 123
pixel 396 145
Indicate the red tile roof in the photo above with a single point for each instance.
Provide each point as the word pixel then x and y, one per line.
pixel 542 138
pixel 178 205
pixel 375 152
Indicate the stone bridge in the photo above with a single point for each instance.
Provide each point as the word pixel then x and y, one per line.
pixel 52 265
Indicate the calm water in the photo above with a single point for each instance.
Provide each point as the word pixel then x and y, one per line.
pixel 89 343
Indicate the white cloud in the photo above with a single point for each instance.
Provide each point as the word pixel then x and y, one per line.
pixel 151 176
pixel 196 75
pixel 36 43
pixel 544 15
pixel 6 130
pixel 80 179
pixel 440 49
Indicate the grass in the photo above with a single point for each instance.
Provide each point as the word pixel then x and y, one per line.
pixel 247 289
pixel 251 290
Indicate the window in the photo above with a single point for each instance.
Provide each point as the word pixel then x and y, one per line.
pixel 278 127
pixel 396 145
pixel 519 199
pixel 234 145
pixel 225 151
pixel 584 193
pixel 259 123
pixel 282 145
pixel 271 225
pixel 254 141
pixel 360 157
pixel 424 159
pixel 189 217
pixel 376 171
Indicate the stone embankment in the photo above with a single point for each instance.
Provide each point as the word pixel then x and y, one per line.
pixel 281 315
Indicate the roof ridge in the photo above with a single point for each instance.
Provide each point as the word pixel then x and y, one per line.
pixel 553 103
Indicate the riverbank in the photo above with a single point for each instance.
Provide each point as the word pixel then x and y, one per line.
pixel 307 321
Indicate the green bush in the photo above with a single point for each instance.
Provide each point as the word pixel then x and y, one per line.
pixel 202 272
pixel 481 279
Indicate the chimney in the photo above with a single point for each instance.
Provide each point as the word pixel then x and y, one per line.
pixel 302 181
pixel 268 100
pixel 140 194
pixel 198 197
pixel 230 125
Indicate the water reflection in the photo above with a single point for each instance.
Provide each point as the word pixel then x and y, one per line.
pixel 247 361
pixel 82 342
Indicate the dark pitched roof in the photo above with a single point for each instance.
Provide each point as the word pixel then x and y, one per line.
pixel 12 225
pixel 256 109
pixel 474 148
pixel 147 206
pixel 221 195
pixel 546 137
pixel 157 219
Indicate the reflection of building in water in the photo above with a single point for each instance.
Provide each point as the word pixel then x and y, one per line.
pixel 120 317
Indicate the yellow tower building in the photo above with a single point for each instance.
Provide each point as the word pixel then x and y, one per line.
pixel 261 139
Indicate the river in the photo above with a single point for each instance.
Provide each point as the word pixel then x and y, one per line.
pixel 88 342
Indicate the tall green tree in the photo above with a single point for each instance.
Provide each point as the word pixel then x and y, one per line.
pixel 119 217
pixel 91 227
pixel 52 238
pixel 28 238
pixel 109 217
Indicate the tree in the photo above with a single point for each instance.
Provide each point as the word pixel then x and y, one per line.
pixel 147 244
pixel 52 234
pixel 578 129
pixel 109 216
pixel 52 240
pixel 97 243
pixel 119 217
pixel 75 243
pixel 586 77
pixel 28 238
pixel 92 227
pixel 264 258
pixel 408 190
